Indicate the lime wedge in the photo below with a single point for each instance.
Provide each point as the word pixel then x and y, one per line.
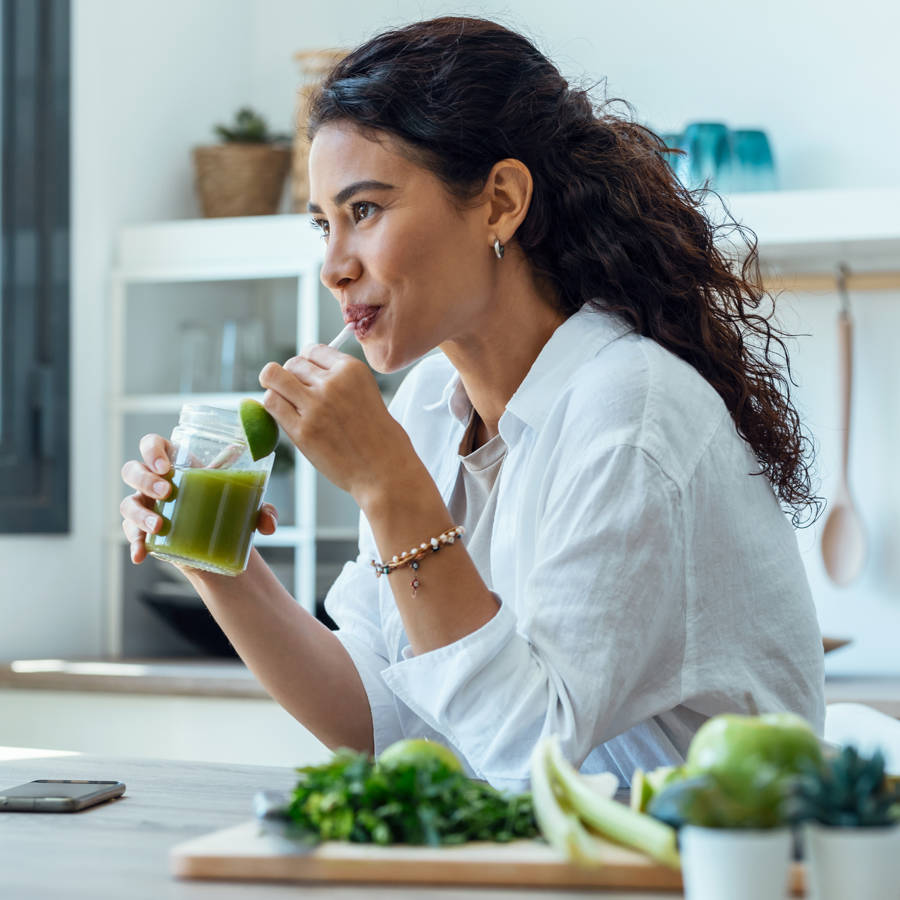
pixel 259 427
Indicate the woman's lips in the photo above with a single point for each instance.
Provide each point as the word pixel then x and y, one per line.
pixel 362 316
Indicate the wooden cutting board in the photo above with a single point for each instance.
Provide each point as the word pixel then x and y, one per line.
pixel 246 853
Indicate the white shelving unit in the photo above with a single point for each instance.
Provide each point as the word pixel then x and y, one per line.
pixel 802 237
pixel 213 250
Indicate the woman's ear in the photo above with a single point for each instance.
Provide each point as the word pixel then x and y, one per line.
pixel 507 194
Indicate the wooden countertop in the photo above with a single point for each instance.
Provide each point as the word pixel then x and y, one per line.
pixel 120 848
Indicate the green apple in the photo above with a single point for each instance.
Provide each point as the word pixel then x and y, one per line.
pixel 727 744
pixel 418 751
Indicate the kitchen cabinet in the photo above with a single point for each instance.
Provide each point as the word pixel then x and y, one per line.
pixel 196 309
pixel 218 729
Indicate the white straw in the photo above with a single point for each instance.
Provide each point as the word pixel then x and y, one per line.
pixel 227 456
pixel 345 332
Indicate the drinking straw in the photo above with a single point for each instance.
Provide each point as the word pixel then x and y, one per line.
pixel 345 332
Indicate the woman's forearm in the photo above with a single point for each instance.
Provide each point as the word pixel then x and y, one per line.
pixel 295 657
pixel 404 509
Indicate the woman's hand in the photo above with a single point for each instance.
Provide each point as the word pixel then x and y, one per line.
pixel 329 404
pixel 148 478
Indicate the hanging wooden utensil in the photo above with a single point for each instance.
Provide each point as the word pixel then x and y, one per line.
pixel 843 537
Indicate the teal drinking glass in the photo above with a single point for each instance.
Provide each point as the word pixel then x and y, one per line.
pixel 754 163
pixel 709 160
pixel 675 160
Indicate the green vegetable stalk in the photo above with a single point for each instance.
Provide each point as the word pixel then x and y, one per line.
pixel 558 822
pixel 573 814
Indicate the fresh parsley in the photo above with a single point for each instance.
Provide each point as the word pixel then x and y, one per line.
pixel 352 798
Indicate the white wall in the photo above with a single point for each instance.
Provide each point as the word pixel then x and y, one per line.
pixel 150 79
pixel 820 77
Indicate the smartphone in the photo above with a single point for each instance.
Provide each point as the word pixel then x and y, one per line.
pixel 51 795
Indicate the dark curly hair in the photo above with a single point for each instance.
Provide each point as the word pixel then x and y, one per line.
pixel 608 223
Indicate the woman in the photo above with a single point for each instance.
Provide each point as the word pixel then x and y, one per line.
pixel 605 418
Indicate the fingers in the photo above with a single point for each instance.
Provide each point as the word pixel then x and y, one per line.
pixel 308 366
pixel 284 412
pixel 292 378
pixel 138 552
pixel 274 377
pixel 155 451
pixel 322 355
pixel 143 480
pixel 267 521
pixel 138 515
pixel 138 520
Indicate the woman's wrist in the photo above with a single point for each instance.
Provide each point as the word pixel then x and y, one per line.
pixel 203 581
pixel 393 475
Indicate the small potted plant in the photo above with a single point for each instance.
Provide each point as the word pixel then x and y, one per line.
pixel 244 175
pixel 733 832
pixel 851 828
pixel 731 803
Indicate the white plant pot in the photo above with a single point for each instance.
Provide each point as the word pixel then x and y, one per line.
pixel 737 864
pixel 857 863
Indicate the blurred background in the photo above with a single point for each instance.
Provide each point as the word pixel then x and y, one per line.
pixel 149 81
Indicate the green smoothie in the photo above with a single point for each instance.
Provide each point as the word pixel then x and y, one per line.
pixel 209 518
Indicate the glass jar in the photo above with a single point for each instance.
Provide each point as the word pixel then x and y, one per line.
pixel 209 517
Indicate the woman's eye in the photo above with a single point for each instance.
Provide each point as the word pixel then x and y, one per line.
pixel 362 210
pixel 321 225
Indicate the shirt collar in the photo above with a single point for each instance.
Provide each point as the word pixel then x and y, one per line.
pixel 455 398
pixel 582 336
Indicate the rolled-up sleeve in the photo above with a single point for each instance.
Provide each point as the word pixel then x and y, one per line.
pixel 352 602
pixel 591 646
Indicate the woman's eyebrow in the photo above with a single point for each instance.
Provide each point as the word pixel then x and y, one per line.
pixel 346 193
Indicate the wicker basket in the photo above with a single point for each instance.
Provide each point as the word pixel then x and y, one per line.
pixel 314 66
pixel 240 179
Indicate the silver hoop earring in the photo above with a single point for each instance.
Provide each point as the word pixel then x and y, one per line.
pixel 499 249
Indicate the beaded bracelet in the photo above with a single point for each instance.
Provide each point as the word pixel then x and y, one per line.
pixel 413 556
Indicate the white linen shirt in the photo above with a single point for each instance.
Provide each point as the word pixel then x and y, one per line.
pixel 645 578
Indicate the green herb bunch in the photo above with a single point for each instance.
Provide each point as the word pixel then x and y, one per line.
pixel 848 791
pixel 352 798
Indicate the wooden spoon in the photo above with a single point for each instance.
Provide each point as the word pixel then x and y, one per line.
pixel 843 537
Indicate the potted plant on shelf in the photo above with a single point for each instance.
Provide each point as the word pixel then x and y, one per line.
pixel 850 812
pixel 244 175
pixel 314 66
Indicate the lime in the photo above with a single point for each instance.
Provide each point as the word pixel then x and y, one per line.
pixel 415 751
pixel 259 427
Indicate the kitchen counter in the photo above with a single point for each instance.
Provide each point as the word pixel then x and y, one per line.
pixel 881 693
pixel 231 678
pixel 175 677
pixel 120 848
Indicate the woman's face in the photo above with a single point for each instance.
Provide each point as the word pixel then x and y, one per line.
pixel 409 267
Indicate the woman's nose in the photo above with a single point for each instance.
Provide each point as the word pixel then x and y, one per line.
pixel 341 265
